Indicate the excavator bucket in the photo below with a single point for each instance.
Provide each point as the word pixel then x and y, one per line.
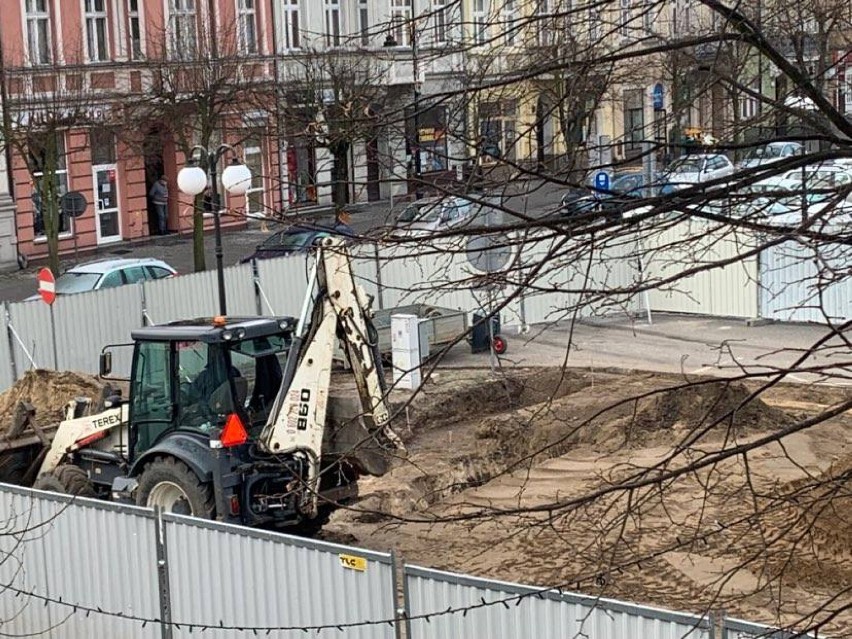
pixel 351 436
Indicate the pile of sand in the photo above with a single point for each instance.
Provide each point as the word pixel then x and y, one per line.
pixel 49 393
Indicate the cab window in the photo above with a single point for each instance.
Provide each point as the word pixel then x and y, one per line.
pixel 260 362
pixel 151 407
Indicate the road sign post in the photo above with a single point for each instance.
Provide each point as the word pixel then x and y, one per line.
pixel 47 290
pixel 47 286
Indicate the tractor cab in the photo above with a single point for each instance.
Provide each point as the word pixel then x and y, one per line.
pixel 216 379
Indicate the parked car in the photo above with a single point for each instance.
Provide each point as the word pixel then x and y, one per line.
pixel 624 190
pixel 94 276
pixel 294 239
pixel 695 169
pixel 434 215
pixel 771 152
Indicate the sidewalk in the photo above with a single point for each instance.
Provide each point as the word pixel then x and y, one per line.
pixel 690 345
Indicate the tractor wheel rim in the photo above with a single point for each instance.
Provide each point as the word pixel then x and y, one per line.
pixel 169 497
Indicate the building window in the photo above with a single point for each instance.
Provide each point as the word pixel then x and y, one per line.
pixel 247 26
pixel 480 21
pixel 748 104
pixel 134 29
pixel 401 21
pixel 594 20
pixel 38 32
pixel 543 24
pixel 41 151
pixel 332 23
pixel 102 142
pixel 439 21
pixel 291 24
pixel 497 138
pixel 364 22
pixel 508 19
pixel 625 18
pixel 183 28
pixel 97 46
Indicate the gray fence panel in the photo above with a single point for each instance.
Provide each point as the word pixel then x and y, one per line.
pixel 87 322
pixel 83 552
pixel 248 578
pixel 539 615
pixel 797 283
pixel 284 281
pixel 739 629
pixel 31 321
pixel 197 295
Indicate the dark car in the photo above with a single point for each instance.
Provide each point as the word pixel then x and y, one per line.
pixel 588 204
pixel 295 239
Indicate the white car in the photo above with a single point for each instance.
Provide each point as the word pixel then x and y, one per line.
pixel 695 169
pixel 95 276
pixel 771 152
pixel 433 215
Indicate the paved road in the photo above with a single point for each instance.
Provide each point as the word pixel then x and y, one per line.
pixel 177 249
pixel 673 344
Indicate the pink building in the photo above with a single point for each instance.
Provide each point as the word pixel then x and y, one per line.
pixel 101 59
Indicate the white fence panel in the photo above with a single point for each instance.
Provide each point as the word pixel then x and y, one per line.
pixel 249 578
pixel 530 613
pixel 739 629
pixel 197 295
pixel 806 283
pixel 727 291
pixel 87 322
pixel 283 282
pixel 31 321
pixel 574 278
pixel 81 552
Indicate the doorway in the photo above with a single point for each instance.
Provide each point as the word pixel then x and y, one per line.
pixel 107 218
pixel 154 168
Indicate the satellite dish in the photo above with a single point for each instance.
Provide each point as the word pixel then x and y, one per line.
pixel 488 253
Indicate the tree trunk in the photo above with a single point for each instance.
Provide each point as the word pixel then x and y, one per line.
pixel 198 233
pixel 340 174
pixel 50 206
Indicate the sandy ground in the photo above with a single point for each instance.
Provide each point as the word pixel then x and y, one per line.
pixel 499 469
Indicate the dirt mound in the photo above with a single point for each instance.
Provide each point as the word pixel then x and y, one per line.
pixel 49 392
pixel 719 407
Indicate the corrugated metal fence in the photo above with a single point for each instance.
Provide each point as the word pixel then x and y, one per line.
pixel 510 611
pixel 553 278
pixel 74 568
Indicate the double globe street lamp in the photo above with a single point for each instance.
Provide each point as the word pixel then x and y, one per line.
pixel 193 180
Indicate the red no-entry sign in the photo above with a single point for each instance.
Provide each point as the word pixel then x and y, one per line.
pixel 47 285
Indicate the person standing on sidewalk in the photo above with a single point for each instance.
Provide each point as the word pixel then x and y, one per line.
pixel 159 195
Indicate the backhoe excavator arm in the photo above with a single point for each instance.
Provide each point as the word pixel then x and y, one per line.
pixel 340 310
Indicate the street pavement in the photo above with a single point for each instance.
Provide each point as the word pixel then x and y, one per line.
pixel 681 344
pixel 176 249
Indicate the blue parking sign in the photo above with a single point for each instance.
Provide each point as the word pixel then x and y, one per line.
pixel 601 181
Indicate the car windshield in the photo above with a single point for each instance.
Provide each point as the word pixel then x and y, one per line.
pixel 771 151
pixel 412 212
pixel 626 184
pixel 686 165
pixel 289 240
pixel 71 282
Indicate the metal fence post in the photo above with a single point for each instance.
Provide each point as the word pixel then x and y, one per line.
pixel 255 281
pixel 163 576
pixel 143 303
pixel 7 319
pixel 399 603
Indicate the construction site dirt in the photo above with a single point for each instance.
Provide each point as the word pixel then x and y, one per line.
pixel 611 483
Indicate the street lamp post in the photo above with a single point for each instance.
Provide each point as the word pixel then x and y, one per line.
pixel 192 180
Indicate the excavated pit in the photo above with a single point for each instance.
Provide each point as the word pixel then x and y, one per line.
pixel 488 428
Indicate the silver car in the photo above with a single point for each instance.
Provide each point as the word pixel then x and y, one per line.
pixel 771 152
pixel 695 169
pixel 433 215
pixel 94 276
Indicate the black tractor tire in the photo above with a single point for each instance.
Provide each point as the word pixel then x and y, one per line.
pixel 174 487
pixel 68 480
